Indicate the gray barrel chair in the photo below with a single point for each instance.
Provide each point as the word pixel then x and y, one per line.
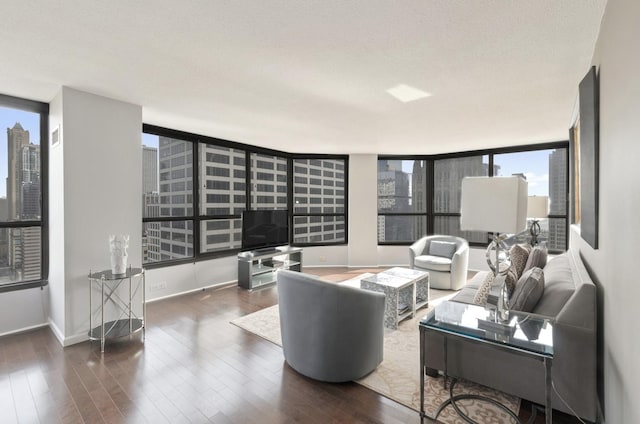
pixel 447 267
pixel 330 332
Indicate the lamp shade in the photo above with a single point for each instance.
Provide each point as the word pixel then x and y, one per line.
pixel 538 207
pixel 497 204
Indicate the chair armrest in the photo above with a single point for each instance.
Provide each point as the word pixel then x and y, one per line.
pixel 459 267
pixel 417 249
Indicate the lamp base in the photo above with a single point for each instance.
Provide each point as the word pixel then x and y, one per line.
pixel 500 266
pixel 535 232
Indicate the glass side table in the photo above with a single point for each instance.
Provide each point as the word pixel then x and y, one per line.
pixel 525 334
pixel 128 303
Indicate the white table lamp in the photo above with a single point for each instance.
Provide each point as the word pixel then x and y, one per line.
pixel 498 205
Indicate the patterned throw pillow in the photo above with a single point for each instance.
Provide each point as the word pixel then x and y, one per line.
pixel 519 253
pixel 483 291
pixel 537 258
pixel 510 281
pixel 529 290
pixel 446 249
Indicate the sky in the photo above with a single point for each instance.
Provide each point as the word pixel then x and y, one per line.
pixel 30 121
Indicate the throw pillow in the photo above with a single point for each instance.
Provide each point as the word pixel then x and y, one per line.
pixel 537 258
pixel 519 253
pixel 528 291
pixel 483 290
pixel 446 249
pixel 510 281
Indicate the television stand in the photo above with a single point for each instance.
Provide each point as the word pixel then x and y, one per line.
pixel 257 269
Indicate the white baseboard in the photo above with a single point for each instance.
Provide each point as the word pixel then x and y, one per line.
pixel 213 286
pixel 56 332
pixel 22 330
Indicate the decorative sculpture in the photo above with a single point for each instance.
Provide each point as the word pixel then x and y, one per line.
pixel 118 245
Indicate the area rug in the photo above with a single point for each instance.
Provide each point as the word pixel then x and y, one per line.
pixel 397 377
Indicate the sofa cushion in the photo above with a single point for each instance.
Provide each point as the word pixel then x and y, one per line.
pixel 537 258
pixel 528 291
pixel 446 249
pixel 434 263
pixel 559 286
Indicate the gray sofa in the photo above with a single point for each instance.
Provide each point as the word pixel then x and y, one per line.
pixel 569 297
pixel 330 332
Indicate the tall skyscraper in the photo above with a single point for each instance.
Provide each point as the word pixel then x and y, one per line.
pixel 23 202
pixel 17 138
pixel 318 188
pixel 149 169
pixel 557 199
pixel 394 196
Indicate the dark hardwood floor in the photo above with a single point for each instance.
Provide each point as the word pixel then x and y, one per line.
pixel 193 367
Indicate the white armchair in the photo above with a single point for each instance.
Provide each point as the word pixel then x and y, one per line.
pixel 446 260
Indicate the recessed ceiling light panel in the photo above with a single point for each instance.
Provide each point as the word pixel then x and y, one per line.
pixel 406 93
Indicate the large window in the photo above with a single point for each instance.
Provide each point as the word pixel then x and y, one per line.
pixel 167 198
pixel 402 199
pixel 195 189
pixel 447 183
pixel 319 212
pixel 547 174
pixel 23 160
pixel 419 196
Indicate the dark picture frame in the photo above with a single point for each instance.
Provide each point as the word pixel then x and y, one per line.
pixel 589 151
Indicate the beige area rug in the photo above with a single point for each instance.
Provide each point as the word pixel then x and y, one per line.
pixel 397 377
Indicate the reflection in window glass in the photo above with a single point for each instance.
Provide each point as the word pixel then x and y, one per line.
pixel 447 180
pixel 268 176
pixel 318 186
pixel 402 186
pixel 222 180
pixel 450 225
pixel 220 234
pixel 166 240
pixel 318 229
pixel 401 228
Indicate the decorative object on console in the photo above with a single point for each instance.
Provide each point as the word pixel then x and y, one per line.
pixel 537 208
pixel 496 204
pixel 118 245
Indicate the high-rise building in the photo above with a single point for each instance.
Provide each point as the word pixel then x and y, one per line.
pixel 318 188
pixel 150 205
pixel 176 198
pixel 23 202
pixel 149 169
pixel 394 192
pixel 17 138
pixel 557 199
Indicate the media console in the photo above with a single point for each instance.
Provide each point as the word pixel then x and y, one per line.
pixel 258 268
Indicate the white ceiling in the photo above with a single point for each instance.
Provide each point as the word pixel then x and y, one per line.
pixel 311 76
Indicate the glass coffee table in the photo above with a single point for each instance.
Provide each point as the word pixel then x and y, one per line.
pixel 524 334
pixel 406 290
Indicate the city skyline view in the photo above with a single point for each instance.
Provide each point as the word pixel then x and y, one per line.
pixel 30 121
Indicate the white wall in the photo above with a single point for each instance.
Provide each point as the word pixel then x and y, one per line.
pixel 23 309
pixel 95 190
pixel 615 262
pixel 363 210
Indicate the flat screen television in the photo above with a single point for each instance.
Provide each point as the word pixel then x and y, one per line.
pixel 264 229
